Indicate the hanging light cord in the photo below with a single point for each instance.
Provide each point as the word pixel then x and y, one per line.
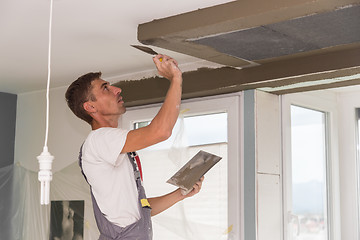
pixel 48 78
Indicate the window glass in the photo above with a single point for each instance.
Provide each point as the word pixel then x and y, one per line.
pixel 309 174
pixel 198 130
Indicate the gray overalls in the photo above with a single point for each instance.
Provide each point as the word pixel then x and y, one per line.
pixel 139 230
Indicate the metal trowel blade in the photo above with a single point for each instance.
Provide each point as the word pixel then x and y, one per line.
pixel 145 49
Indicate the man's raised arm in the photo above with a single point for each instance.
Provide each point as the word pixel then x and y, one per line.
pixel 161 126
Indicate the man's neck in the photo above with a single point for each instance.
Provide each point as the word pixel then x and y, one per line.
pixel 96 124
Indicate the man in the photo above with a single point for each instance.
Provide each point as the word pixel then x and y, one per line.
pixel 108 159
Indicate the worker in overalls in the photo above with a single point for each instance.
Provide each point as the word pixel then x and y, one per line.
pixel 108 158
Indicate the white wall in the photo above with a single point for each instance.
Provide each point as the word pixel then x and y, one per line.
pixel 262 166
pixel 268 166
pixel 66 131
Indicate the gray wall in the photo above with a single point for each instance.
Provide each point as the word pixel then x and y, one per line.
pixel 7 128
pixel 249 166
pixel 8 104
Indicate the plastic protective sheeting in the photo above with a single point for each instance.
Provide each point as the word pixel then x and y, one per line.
pixel 22 215
pixel 23 218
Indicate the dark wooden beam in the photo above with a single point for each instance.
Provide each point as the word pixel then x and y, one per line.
pixel 205 81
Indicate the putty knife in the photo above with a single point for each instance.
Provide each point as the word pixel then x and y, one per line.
pixel 146 49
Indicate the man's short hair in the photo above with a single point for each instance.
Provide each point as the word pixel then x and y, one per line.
pixel 79 92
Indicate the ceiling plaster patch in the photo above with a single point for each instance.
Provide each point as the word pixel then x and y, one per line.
pixel 185 67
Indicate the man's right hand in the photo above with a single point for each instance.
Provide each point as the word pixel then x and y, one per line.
pixel 168 67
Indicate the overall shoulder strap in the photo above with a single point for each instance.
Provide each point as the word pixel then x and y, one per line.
pixel 80 162
pixel 135 161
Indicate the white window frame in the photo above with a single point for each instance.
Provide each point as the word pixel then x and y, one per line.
pixel 229 103
pixel 326 102
pixel 350 165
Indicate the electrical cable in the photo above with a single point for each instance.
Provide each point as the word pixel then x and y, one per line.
pixel 49 74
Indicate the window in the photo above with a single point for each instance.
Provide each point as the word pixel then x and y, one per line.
pixel 311 166
pixel 211 125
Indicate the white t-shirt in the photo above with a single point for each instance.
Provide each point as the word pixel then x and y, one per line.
pixel 111 175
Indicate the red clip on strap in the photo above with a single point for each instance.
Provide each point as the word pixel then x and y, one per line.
pixel 139 165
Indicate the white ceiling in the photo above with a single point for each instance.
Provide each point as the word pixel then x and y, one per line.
pixel 87 35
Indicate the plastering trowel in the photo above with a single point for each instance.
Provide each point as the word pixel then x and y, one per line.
pixel 193 170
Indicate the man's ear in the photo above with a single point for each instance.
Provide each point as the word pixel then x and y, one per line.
pixel 89 107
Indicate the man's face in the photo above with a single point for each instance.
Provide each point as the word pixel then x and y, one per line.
pixel 108 99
